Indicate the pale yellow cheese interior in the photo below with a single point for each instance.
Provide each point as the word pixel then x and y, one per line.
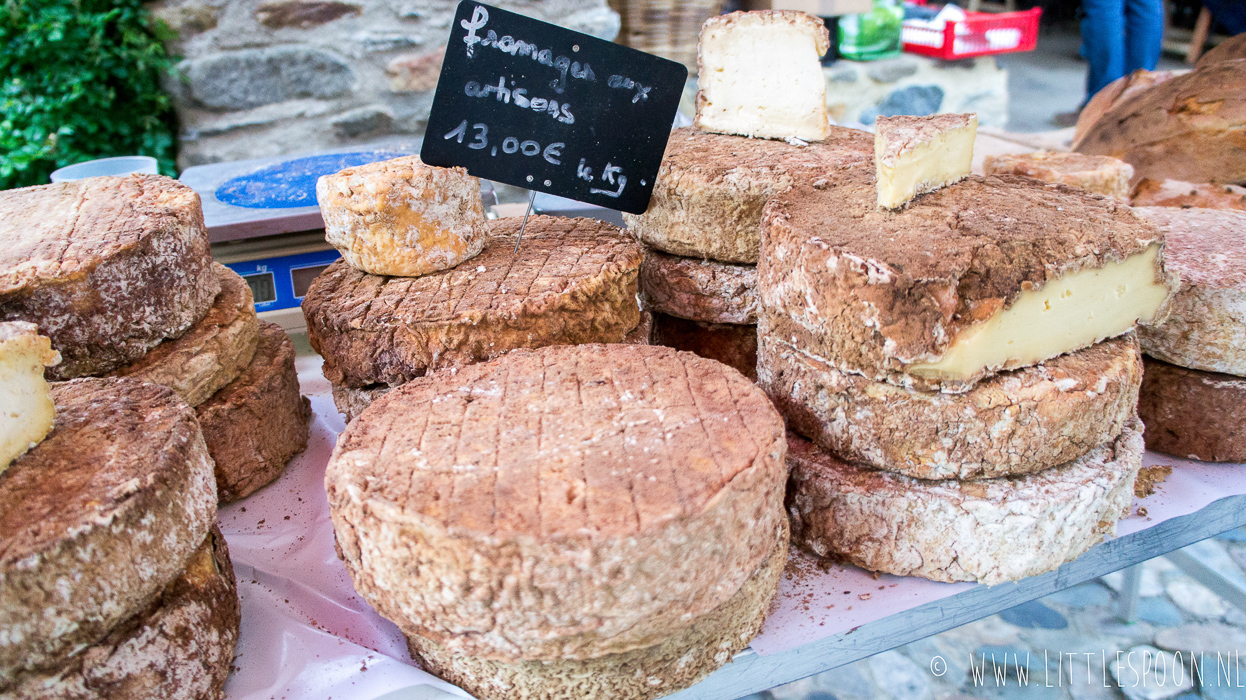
pixel 943 160
pixel 1067 314
pixel 764 80
pixel 26 409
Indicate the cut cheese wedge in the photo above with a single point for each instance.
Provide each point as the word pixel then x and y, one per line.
pixel 1071 312
pixel 26 416
pixel 760 75
pixel 994 273
pixel 913 155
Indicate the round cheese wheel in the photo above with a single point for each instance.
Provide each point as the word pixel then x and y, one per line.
pixel 256 424
pixel 572 281
pixel 107 267
pixel 708 199
pixel 1206 328
pixel 209 355
pixel 699 290
pixel 99 517
pixel 989 530
pixel 1193 414
pixel 179 647
pixel 561 503
pixel 1015 422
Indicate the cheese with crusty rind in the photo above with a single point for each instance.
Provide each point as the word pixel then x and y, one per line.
pixel 761 76
pixel 914 155
pixel 26 409
pixel 401 217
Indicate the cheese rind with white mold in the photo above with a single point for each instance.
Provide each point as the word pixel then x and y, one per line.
pixel 761 76
pixel 914 155
pixel 27 413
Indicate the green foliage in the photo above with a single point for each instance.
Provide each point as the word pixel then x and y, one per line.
pixel 80 79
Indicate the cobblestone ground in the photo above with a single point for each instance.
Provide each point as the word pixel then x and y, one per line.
pixel 1090 653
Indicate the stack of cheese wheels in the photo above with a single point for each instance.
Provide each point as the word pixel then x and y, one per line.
pixel 964 367
pixel 1194 389
pixel 118 273
pixel 760 79
pixel 114 582
pixel 569 281
pixel 588 521
pixel 702 232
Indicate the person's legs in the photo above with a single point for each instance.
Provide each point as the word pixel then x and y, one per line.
pixel 1144 33
pixel 1103 42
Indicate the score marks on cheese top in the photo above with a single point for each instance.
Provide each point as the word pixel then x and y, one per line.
pixel 534 105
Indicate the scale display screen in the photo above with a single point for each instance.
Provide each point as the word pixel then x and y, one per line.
pixel 301 278
pixel 280 282
pixel 262 287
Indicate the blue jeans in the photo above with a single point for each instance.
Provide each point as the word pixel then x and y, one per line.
pixel 1119 37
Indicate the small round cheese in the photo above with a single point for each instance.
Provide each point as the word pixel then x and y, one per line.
pixel 401 217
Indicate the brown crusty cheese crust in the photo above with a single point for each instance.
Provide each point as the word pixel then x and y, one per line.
pixel 1095 174
pixel 1190 127
pixel 990 530
pixel 209 355
pixel 180 647
pixel 402 217
pixel 572 281
pixel 1206 327
pixel 107 267
pixel 733 345
pixel 699 290
pixel 257 423
pixel 350 401
pixel 560 503
pixel 1015 422
pixel 98 518
pixel 1193 414
pixel 676 662
pixel 710 191
pixel 874 291
pixel 1186 195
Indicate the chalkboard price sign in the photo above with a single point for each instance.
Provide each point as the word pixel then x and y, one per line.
pixel 530 104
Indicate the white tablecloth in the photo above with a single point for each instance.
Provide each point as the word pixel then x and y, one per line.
pixel 306 634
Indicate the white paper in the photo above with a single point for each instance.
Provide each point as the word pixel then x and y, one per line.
pixel 307 634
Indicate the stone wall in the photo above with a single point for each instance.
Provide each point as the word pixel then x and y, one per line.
pixel 263 78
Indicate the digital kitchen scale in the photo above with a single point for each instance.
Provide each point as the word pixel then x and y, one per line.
pixel 264 223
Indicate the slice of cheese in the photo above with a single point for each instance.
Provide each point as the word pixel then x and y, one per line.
pixel 913 155
pixel 1066 314
pixel 27 410
pixel 401 217
pixel 760 75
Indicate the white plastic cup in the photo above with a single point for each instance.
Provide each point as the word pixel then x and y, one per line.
pixel 119 165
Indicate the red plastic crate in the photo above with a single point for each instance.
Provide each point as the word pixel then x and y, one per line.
pixel 979 34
